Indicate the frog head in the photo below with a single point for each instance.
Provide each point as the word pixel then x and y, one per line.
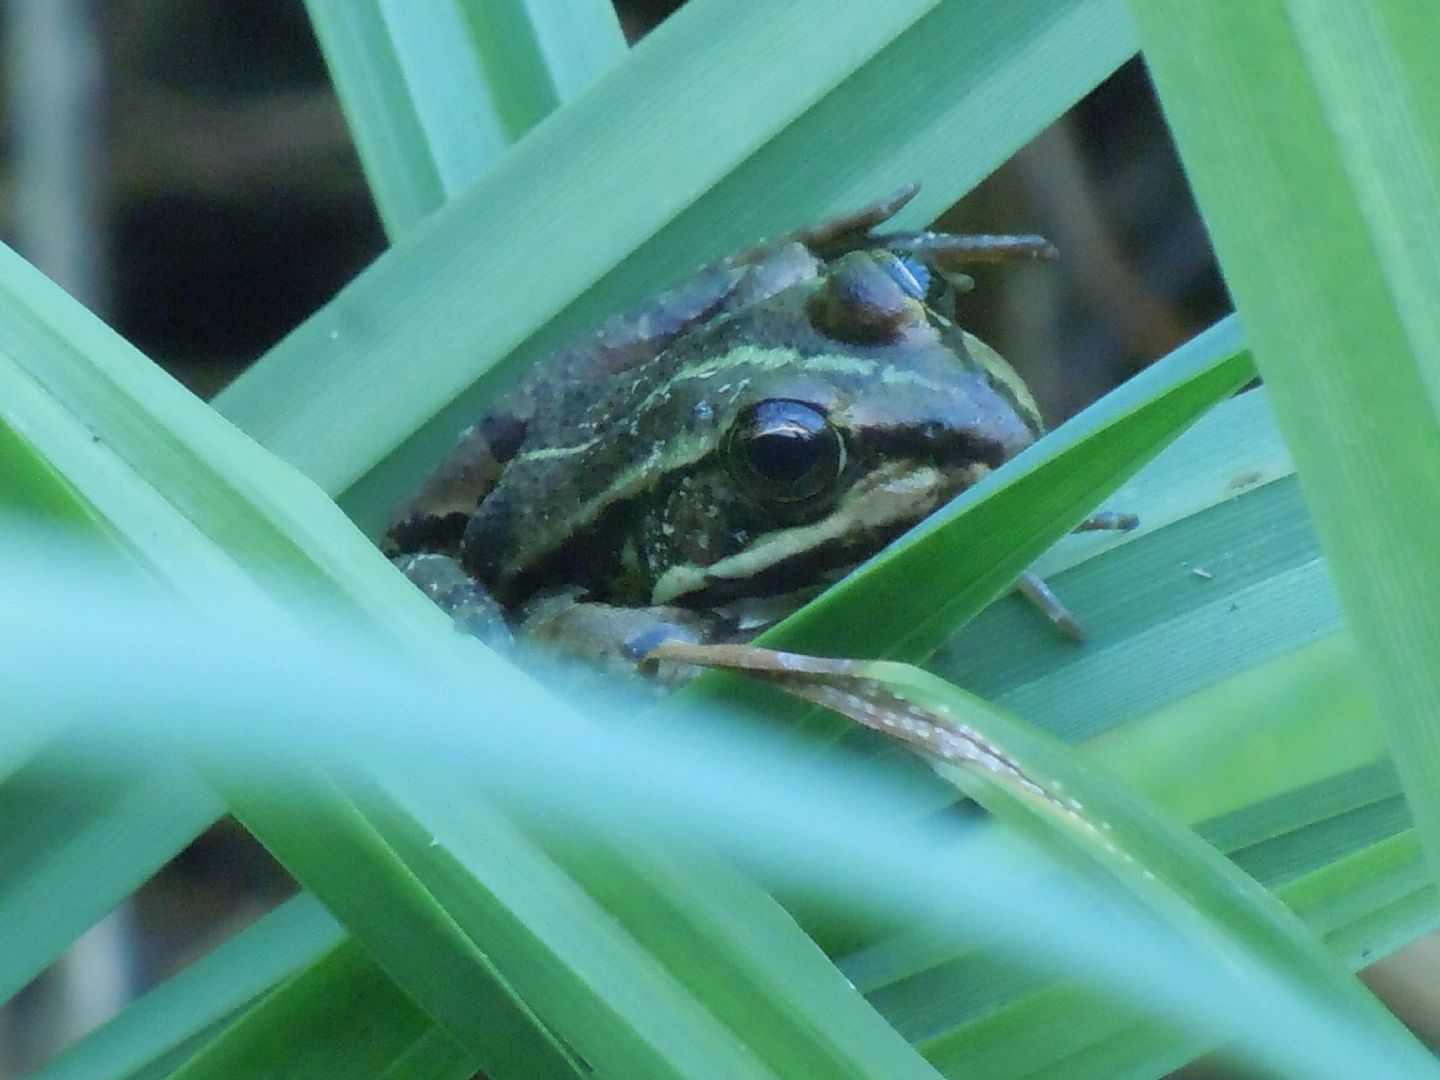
pixel 761 454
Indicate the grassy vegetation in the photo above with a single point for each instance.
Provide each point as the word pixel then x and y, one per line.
pixel 460 914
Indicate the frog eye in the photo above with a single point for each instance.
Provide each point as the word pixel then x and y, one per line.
pixel 784 451
pixel 910 274
pixel 935 289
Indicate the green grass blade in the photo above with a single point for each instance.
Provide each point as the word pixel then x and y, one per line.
pixel 340 1017
pixel 181 490
pixel 693 926
pixel 434 1056
pixel 678 154
pixel 1090 823
pixel 1328 239
pixel 1276 727
pixel 1223 574
pixel 61 867
pixel 540 54
pixel 969 1010
pixel 629 1005
pixel 603 946
pixel 435 94
pixel 1192 659
pixel 346 703
pixel 34 488
pixel 394 910
pixel 152 1035
pixel 1269 731
pixel 186 495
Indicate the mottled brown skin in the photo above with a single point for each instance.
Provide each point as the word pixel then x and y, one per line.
pixel 657 477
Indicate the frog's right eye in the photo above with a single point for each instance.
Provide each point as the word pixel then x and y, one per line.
pixel 783 451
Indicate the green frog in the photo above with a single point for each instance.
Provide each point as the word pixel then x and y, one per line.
pixel 711 459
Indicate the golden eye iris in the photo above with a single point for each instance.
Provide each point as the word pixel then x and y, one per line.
pixel 784 451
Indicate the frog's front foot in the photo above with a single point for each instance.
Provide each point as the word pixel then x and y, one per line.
pixel 1033 587
pixel 615 638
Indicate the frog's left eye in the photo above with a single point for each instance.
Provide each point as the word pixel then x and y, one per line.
pixel 910 274
pixel 784 451
pixel 936 290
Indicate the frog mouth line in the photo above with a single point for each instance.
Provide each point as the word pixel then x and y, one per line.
pixel 879 508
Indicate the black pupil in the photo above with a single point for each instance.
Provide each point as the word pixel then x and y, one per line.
pixel 784 455
pixel 788 449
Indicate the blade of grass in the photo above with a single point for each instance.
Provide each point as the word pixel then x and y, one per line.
pixel 211 509
pixel 1297 718
pixel 152 1035
pixel 1366 932
pixel 435 93
pixel 706 933
pixel 34 488
pixel 1094 826
pixel 340 1017
pixel 1328 238
pixel 180 488
pixel 542 53
pixel 433 1057
pixel 349 700
pixel 1262 590
pixel 121 465
pixel 967 1009
pixel 1294 720
pixel 70 855
pixel 998 527
pixel 188 494
pixel 394 910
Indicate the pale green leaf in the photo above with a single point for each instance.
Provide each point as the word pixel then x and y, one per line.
pixel 1310 132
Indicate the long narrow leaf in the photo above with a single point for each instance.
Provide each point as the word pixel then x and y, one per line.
pixel 62 865
pixel 162 1026
pixel 340 1017
pixel 854 834
pixel 1312 135
pixel 1087 821
pixel 435 93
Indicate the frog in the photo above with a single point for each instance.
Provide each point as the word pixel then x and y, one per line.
pixel 707 461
